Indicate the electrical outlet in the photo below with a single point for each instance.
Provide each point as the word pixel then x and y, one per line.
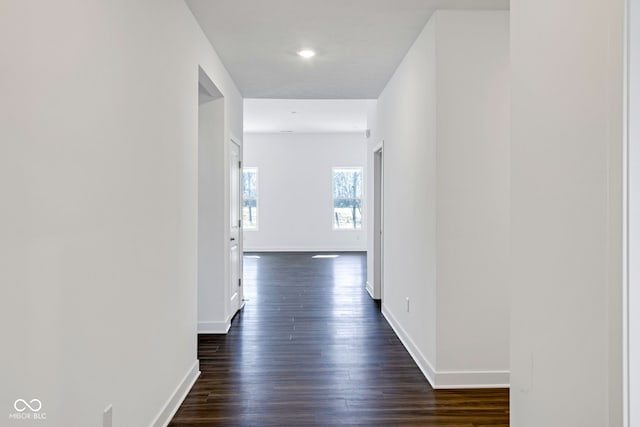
pixel 407 304
pixel 107 416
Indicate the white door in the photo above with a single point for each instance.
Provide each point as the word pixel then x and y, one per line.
pixel 235 248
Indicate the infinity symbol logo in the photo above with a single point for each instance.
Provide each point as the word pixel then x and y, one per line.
pixel 21 405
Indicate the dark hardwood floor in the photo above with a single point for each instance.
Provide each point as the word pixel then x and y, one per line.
pixel 312 348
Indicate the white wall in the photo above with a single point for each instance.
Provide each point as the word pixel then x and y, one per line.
pixel 99 175
pixel 294 170
pixel 444 119
pixel 473 106
pixel 406 121
pixel 566 175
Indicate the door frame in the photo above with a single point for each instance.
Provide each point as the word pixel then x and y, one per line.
pixel 631 213
pixel 378 221
pixel 233 141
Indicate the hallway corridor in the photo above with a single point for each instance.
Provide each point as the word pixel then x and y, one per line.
pixel 312 348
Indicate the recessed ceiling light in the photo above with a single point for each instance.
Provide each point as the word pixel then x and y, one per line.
pixel 306 53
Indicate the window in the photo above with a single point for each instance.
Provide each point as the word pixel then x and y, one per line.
pixel 250 198
pixel 347 198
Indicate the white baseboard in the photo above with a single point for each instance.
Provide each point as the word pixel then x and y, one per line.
pixel 234 302
pixel 177 397
pixel 446 379
pixel 370 290
pixel 217 327
pixel 472 379
pixel 412 348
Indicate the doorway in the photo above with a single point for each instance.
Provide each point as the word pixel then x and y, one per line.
pixel 378 221
pixel 214 309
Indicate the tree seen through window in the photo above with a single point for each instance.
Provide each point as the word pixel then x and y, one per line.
pixel 250 198
pixel 347 198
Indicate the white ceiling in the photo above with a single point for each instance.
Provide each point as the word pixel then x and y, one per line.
pixel 359 43
pixel 305 115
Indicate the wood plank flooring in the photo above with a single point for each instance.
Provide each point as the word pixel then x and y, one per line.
pixel 312 348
